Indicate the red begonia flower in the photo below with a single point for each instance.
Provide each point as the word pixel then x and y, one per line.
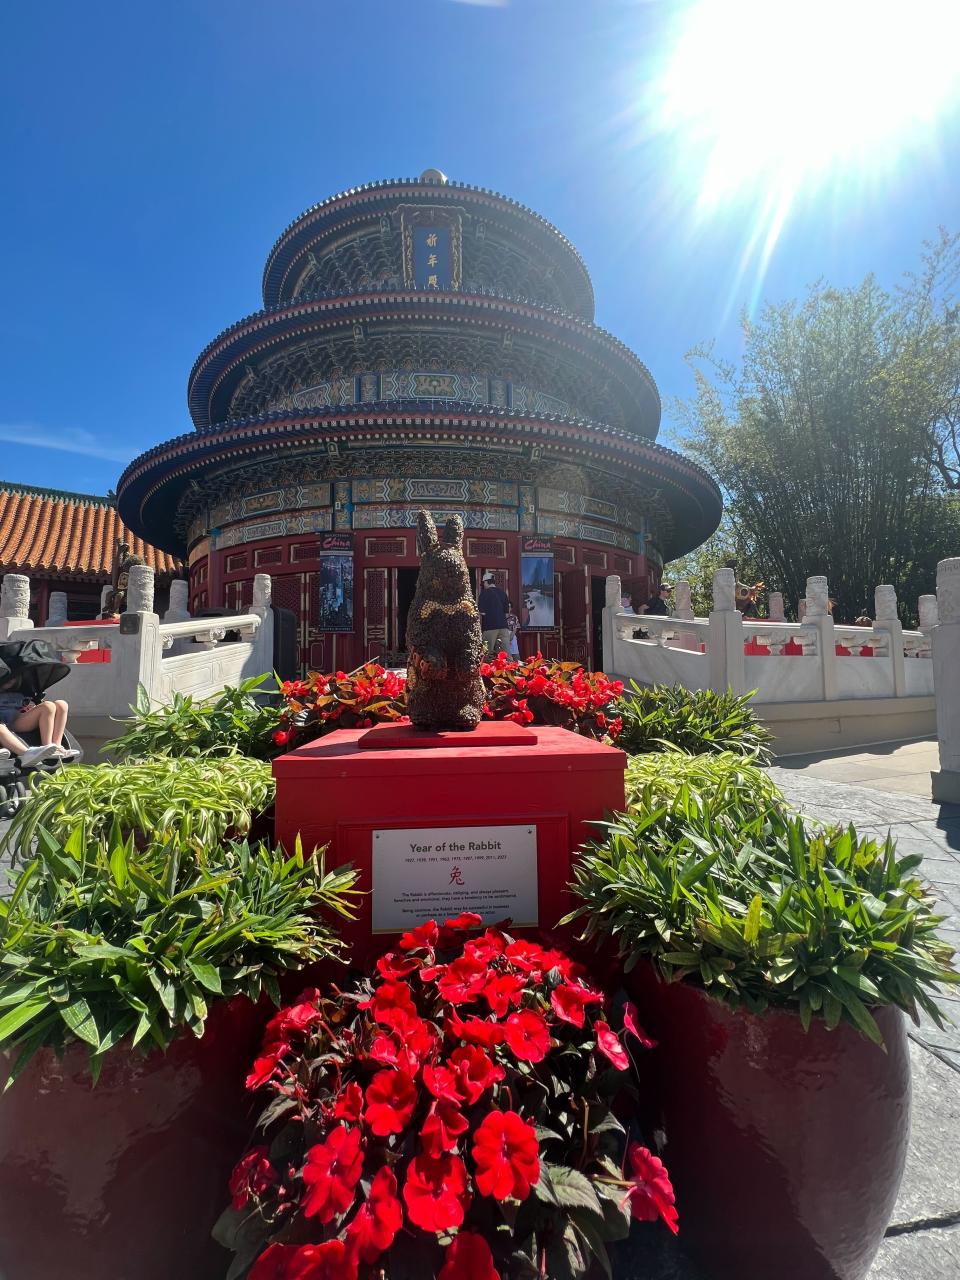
pixel 328 1261
pixel 468 1257
pixel 608 1042
pixel 435 1192
pixel 527 1035
pixel 423 937
pixel 463 980
pixel 391 1098
pixel 503 993
pixel 378 1219
pixel 507 1156
pixel 349 1106
pixel 442 1129
pixel 631 1024
pixel 251 1177
pixel 331 1174
pixel 475 1072
pixel 651 1195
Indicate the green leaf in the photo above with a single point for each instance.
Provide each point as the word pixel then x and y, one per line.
pixel 79 1018
pixel 206 975
pixel 18 1017
pixel 751 925
pixel 573 1190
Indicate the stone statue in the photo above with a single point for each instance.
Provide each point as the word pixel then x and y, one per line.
pixel 444 689
pixel 123 562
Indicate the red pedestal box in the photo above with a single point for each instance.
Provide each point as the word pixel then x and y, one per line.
pixel 534 802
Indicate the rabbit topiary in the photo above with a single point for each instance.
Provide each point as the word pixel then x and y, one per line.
pixel 445 646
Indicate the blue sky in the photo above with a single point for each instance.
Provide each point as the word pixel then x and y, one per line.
pixel 151 154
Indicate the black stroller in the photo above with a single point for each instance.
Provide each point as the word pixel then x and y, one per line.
pixel 29 667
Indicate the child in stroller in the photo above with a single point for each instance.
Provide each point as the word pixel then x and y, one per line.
pixel 33 731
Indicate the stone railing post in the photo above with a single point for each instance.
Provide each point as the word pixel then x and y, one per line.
pixel 57 609
pixel 946 681
pixel 683 609
pixel 177 609
pixel 775 610
pixel 105 595
pixel 725 647
pixel 887 619
pixel 927 611
pixel 14 604
pixel 816 615
pixel 140 589
pixel 262 606
pixel 137 648
pixel 613 589
pixel 262 594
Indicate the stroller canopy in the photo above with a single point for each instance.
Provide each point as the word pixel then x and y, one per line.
pixel 30 667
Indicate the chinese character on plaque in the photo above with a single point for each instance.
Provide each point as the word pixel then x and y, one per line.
pixel 432 258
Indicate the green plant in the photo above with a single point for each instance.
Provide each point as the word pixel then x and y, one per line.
pixel 237 719
pixel 746 901
pixel 197 800
pixel 695 720
pixel 732 784
pixel 109 944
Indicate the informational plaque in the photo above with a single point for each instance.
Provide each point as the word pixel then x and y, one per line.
pixel 432 873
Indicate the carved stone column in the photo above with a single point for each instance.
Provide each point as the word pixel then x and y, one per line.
pixel 946 681
pixel 14 604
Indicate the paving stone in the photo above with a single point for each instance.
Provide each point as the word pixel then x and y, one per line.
pixel 931 1179
pixel 919 1255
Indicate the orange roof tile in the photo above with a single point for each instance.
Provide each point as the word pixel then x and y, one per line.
pixel 45 531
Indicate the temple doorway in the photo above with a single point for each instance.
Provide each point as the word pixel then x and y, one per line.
pixel 405 586
pixel 598 598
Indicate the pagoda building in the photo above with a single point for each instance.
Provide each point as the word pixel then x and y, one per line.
pixel 422 343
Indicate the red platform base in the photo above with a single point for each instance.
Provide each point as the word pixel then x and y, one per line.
pixel 489 733
pixel 440 829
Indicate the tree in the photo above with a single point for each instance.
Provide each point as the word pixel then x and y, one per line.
pixel 724 549
pixel 833 439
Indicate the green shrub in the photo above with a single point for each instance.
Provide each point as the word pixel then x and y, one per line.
pixel 732 785
pixel 112 945
pixel 735 894
pixel 238 719
pixel 695 720
pixel 194 800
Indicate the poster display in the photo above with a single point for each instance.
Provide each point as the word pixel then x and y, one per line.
pixel 334 594
pixel 537 610
pixel 432 873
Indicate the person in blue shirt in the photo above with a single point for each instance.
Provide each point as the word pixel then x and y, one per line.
pixel 494 607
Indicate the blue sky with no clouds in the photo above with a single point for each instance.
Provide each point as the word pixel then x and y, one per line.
pixel 151 154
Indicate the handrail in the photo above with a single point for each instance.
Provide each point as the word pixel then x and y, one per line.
pixel 204 626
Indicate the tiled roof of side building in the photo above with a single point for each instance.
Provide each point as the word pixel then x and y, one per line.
pixel 74 535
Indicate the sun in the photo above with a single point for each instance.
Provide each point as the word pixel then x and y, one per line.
pixel 763 98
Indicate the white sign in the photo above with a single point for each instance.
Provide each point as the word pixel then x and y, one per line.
pixel 432 873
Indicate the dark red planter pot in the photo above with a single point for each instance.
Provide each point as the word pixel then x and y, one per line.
pixel 125 1181
pixel 785 1148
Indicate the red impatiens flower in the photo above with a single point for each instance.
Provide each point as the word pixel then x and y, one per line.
pixel 569 1001
pixel 463 980
pixel 525 956
pixel 392 1006
pixel 463 922
pixel 328 1261
pixel 651 1195
pixel 442 1129
pixel 265 1067
pixel 297 1019
pixel 393 966
pixel 435 1192
pixel 331 1174
pixel 468 1257
pixel 378 1219
pixel 503 993
pixel 252 1177
pixel 349 1105
pixel 474 1030
pixel 507 1156
pixel 442 1083
pixel 423 937
pixel 475 1073
pixel 608 1042
pixel 631 1024
pixel 391 1098
pixel 527 1035
pixel 281 737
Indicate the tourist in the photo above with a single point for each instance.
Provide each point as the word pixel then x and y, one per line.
pixel 18 714
pixel 626 604
pixel 513 626
pixel 660 602
pixel 493 605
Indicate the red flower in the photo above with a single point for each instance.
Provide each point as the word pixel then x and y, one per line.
pixel 475 1031
pixel 463 922
pixel 468 1257
pixel 527 1035
pixel 392 1006
pixel 297 1018
pixel 435 1192
pixel 608 1042
pixel 328 1261
pixel 463 980
pixel 349 1105
pixel 331 1174
pixel 503 992
pixel 442 1128
pixel 507 1156
pixel 391 966
pixel 475 1073
pixel 525 956
pixel 378 1219
pixel 630 1024
pixel 265 1067
pixel 252 1177
pixel 281 737
pixel 423 937
pixel 569 1002
pixel 442 1083
pixel 391 1098
pixel 651 1195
